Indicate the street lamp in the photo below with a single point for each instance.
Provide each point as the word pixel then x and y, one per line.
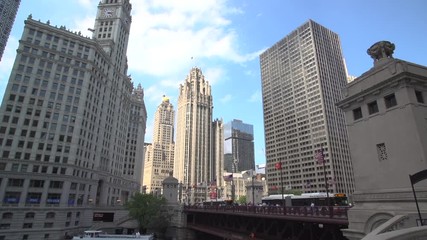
pixel 253 191
pixel 279 167
pixel 320 156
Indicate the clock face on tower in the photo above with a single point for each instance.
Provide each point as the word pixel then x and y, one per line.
pixel 108 12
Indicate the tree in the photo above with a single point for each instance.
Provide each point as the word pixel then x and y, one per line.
pixel 146 209
pixel 293 191
pixel 242 200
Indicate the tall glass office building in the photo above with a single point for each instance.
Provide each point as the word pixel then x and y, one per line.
pixel 302 78
pixel 238 146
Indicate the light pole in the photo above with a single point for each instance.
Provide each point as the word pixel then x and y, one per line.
pixel 253 192
pixel 279 167
pixel 321 159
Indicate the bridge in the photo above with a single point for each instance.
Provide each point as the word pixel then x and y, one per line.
pixel 268 222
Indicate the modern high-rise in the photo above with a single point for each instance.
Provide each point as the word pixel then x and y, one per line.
pixel 8 10
pixel 72 127
pixel 159 158
pixel 302 78
pixel 193 144
pixel 238 146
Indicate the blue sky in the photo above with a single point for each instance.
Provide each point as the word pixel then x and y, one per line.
pixel 225 37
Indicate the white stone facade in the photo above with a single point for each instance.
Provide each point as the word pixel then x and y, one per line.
pixel 71 130
pixel 386 114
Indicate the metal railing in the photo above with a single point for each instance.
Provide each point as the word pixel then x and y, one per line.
pixel 335 212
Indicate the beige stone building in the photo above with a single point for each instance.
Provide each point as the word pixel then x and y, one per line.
pixel 386 114
pixel 72 128
pixel 244 184
pixel 194 163
pixel 159 157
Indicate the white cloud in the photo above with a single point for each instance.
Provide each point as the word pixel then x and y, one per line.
pixel 165 34
pixel 213 75
pixel 86 3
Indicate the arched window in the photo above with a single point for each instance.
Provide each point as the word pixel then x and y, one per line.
pixel 7 215
pixel 50 215
pixel 30 215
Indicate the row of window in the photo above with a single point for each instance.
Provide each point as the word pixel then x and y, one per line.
pixel 389 101
pixel 55 39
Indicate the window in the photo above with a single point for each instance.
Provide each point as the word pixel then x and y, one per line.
pixel 7 215
pixel 48 224
pixel 5 226
pixel 357 113
pixel 15 182
pixel 382 152
pixel 50 215
pixel 56 184
pixel 419 96
pixel 36 183
pixel 27 225
pixel 390 100
pixel 12 197
pixel 30 215
pixel 53 198
pixel 34 198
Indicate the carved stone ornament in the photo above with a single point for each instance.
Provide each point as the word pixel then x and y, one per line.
pixel 382 49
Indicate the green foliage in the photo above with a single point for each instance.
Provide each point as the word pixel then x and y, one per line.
pixel 241 200
pixel 293 191
pixel 146 209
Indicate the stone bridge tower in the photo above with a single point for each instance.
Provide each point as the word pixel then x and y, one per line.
pixel 386 118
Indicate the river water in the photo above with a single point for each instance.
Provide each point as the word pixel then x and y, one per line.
pixel 185 234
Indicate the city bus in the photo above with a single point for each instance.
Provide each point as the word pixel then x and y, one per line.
pixel 307 199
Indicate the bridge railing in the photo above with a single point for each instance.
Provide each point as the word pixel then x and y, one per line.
pixel 301 211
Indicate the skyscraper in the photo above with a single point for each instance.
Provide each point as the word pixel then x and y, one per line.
pixel 72 126
pixel 239 146
pixel 159 157
pixel 302 77
pixel 8 10
pixel 193 148
pixel 133 165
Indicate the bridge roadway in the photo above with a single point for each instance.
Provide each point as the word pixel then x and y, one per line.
pixel 269 222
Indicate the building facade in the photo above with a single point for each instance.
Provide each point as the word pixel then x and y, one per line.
pixel 8 10
pixel 238 146
pixel 217 166
pixel 72 127
pixel 193 144
pixel 386 114
pixel 160 154
pixel 302 77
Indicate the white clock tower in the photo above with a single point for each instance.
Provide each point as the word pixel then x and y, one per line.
pixel 112 26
